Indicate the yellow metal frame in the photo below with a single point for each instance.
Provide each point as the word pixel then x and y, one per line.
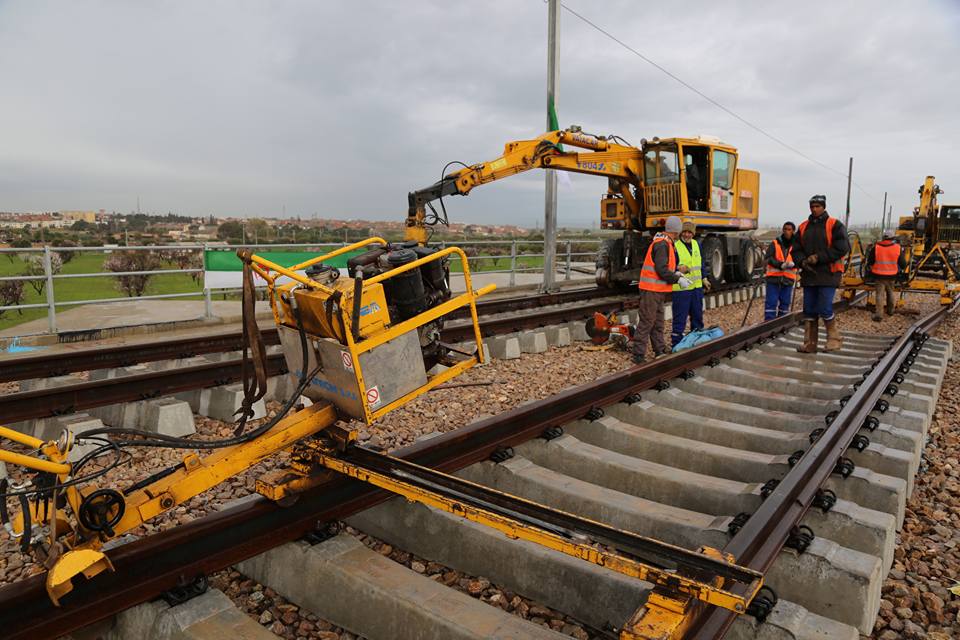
pixel 468 298
pixel 668 609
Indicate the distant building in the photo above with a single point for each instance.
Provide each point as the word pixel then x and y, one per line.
pixel 74 216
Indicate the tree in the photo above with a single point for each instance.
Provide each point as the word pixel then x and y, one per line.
pixel 65 256
pixel 185 259
pixel 11 293
pixel 35 268
pixel 230 229
pixel 122 261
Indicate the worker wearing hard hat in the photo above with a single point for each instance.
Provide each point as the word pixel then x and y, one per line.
pixel 687 301
pixel 660 271
pixel 886 261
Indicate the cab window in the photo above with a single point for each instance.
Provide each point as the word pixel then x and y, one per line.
pixel 724 164
pixel 660 166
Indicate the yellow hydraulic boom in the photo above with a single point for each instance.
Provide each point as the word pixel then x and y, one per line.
pixel 695 178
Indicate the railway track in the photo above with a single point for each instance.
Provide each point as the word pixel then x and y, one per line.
pixel 737 444
pixel 499 316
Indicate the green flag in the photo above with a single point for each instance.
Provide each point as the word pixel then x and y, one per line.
pixel 552 116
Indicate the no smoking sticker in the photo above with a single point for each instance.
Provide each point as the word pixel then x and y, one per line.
pixel 346 360
pixel 373 397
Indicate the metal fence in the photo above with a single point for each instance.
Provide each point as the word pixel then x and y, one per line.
pixel 514 252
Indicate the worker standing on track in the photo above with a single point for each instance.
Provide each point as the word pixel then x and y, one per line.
pixel 687 301
pixel 781 276
pixel 657 277
pixel 820 246
pixel 886 261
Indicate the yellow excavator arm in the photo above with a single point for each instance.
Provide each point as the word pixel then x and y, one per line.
pixel 622 164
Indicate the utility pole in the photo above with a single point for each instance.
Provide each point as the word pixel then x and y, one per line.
pixel 550 196
pixel 883 213
pixel 846 217
pixel 890 216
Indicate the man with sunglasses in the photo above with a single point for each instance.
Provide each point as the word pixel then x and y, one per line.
pixel 819 249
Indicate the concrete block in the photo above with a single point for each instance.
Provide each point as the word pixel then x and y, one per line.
pixel 126 415
pixel 211 615
pixel 49 383
pixel 198 399
pixel 333 577
pixel 710 302
pixel 504 347
pixel 168 416
pixel 225 400
pixel 533 342
pixel 558 336
pixel 119 372
pixel 667 312
pixel 578 331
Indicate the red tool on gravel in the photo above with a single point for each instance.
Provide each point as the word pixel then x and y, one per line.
pixel 605 331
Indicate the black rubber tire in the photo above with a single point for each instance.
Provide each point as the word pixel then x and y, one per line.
pixel 609 257
pixel 712 254
pixel 746 261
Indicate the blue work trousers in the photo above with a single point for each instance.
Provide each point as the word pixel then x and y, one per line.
pixel 818 302
pixel 777 301
pixel 686 304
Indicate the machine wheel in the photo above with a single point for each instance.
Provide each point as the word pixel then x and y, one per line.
pixel 609 259
pixel 711 251
pixel 745 261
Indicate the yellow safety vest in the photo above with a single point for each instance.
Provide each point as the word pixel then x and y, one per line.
pixel 693 262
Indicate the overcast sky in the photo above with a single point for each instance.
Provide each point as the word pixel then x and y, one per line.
pixel 341 108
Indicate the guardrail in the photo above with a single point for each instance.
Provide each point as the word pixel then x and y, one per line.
pixel 513 251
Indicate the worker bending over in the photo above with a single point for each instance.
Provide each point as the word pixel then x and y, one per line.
pixel 819 249
pixel 658 274
pixel 687 301
pixel 781 276
pixel 886 262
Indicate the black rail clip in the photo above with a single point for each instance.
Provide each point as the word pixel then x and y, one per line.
pixel 502 454
pixel 633 398
pixel 323 532
pixel 860 442
pixel 768 488
pixel 800 538
pixel 824 500
pixel 713 362
pixel 881 406
pixel 661 385
pixel 762 603
pixel 687 374
pixel 815 434
pixel 737 523
pixel 552 433
pixel 844 467
pixel 731 354
pixel 830 417
pixel 185 590
pixel 891 389
pixel 795 457
pixel 871 423
pixel 844 400
pixel 594 414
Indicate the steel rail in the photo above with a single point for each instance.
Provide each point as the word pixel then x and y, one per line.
pixel 757 544
pixel 147 567
pixel 45 365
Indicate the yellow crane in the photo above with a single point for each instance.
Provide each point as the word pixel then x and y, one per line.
pixel 695 178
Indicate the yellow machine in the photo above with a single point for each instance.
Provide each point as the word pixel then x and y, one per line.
pixel 695 178
pixel 931 237
pixel 361 344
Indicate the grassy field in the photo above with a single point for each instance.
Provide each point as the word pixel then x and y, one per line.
pixel 84 288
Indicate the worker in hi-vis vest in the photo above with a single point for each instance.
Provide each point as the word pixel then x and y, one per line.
pixel 687 301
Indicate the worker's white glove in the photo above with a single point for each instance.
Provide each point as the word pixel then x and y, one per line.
pixel 788 264
pixel 684 282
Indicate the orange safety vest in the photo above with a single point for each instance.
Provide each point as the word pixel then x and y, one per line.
pixel 786 273
pixel 885 258
pixel 838 265
pixel 649 280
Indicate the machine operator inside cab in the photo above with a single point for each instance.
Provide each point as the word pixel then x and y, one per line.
pixel 692 177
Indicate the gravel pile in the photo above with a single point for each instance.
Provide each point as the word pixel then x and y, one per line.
pixel 921 596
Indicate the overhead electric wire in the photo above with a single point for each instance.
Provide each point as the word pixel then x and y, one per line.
pixel 712 101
